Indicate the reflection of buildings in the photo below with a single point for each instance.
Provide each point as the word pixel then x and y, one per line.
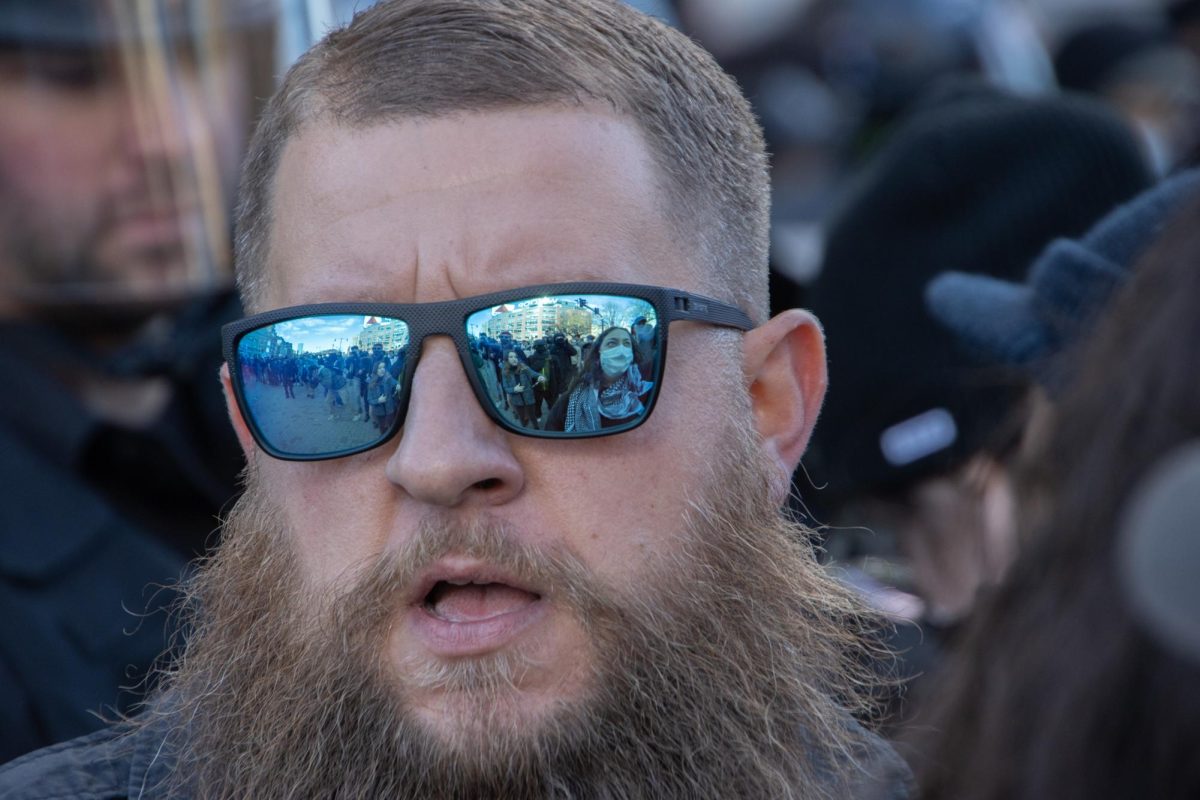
pixel 541 317
pixel 265 344
pixel 391 333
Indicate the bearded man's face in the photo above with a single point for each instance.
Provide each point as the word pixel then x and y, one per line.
pixel 465 609
pixel 711 679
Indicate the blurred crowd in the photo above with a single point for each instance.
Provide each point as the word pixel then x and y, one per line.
pixel 988 203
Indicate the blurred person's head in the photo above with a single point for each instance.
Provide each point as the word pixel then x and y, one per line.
pixel 916 434
pixel 1060 688
pixel 1153 81
pixel 120 135
pixel 1035 324
pixel 1183 17
pixel 436 616
pixel 1035 327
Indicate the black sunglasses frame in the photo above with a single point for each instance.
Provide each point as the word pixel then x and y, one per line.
pixel 449 318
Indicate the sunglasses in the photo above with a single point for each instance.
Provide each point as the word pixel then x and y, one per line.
pixel 324 381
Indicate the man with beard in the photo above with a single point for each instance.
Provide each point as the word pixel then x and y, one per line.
pixel 422 611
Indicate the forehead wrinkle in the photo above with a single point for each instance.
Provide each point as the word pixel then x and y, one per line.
pixel 546 248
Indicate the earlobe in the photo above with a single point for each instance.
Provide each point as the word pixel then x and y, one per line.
pixel 235 414
pixel 784 362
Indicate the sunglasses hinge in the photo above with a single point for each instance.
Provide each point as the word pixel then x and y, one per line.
pixel 690 305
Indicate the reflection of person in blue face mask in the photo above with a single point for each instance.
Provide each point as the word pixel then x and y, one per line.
pixel 608 390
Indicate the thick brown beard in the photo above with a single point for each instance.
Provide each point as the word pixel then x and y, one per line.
pixel 730 674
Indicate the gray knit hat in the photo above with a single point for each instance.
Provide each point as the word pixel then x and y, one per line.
pixel 1028 324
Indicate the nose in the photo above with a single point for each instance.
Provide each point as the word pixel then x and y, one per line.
pixel 450 453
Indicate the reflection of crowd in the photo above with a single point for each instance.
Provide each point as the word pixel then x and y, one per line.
pixel 526 378
pixel 569 383
pixel 365 382
pixel 558 382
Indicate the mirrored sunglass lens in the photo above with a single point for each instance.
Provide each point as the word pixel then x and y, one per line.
pixel 323 385
pixel 568 363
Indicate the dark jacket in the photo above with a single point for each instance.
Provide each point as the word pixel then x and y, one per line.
pixel 94 521
pixel 114 765
pixel 110 764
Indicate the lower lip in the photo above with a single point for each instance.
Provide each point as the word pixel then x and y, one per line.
pixel 473 638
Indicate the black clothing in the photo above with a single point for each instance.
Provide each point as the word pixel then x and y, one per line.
pixel 562 371
pixel 113 765
pixel 94 519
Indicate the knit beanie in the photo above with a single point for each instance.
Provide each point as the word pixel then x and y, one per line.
pixel 973 179
pixel 1034 324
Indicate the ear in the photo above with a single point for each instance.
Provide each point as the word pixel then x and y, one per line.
pixel 235 415
pixel 784 363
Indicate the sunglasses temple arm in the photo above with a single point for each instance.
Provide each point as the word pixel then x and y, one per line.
pixel 699 309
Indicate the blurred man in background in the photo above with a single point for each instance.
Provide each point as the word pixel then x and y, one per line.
pixel 121 127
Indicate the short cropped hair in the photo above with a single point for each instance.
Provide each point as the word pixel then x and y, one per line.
pixel 429 58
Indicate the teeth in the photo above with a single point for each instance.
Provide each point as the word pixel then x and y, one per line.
pixel 459 582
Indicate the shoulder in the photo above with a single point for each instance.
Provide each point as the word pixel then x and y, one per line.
pixel 881 773
pixel 93 767
pixel 128 759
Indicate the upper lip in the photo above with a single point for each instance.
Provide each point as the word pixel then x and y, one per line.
pixel 464 570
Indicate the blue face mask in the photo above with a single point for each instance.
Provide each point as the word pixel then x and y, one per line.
pixel 615 360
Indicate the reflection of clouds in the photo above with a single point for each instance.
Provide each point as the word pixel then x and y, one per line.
pixel 320 333
pixel 605 309
pixel 333 325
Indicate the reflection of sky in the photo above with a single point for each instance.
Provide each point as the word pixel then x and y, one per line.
pixel 621 311
pixel 322 333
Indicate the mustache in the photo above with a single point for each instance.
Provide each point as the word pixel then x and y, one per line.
pixel 381 586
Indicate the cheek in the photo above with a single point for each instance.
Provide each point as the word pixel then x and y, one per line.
pixel 336 512
pixel 53 154
pixel 704 391
pixel 621 500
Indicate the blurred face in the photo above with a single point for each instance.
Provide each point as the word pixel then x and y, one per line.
pixel 429 210
pixel 108 164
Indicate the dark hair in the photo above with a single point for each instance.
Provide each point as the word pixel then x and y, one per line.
pixel 1057 691
pixel 427 58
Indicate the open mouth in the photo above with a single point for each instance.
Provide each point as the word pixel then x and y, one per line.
pixel 463 607
pixel 476 600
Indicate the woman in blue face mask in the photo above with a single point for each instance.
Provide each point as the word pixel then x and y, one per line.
pixel 608 390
